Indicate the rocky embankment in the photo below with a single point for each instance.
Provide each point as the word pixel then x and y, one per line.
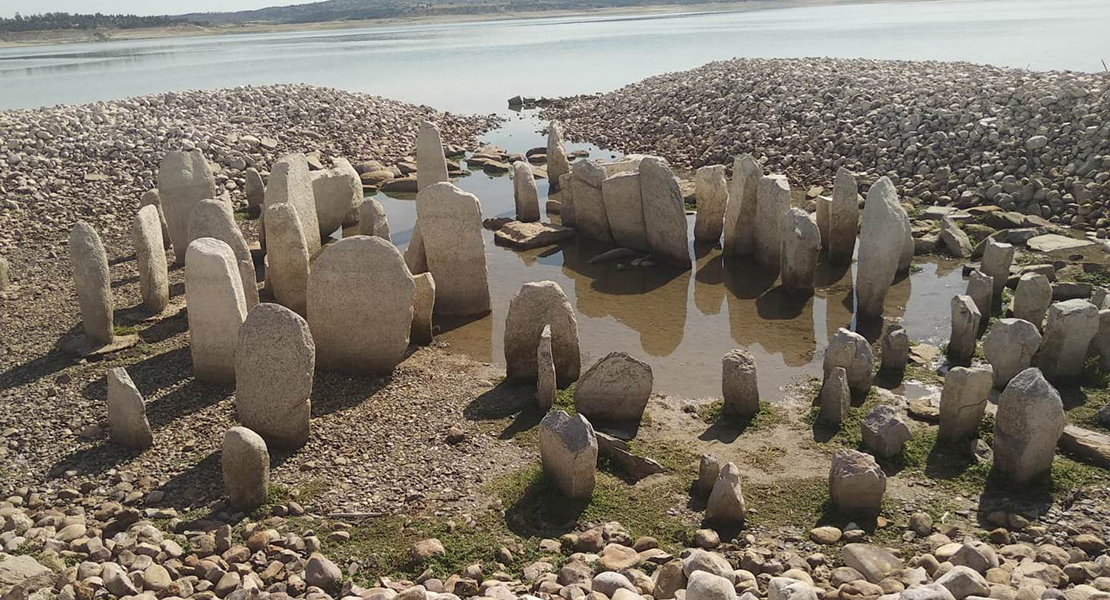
pixel 954 134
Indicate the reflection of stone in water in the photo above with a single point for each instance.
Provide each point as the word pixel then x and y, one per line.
pixel 709 279
pixel 779 322
pixel 475 335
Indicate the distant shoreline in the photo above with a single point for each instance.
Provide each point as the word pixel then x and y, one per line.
pixel 62 37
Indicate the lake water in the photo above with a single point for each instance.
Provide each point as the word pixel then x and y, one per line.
pixel 680 322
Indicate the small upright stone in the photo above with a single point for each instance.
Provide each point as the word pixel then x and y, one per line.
pixel 856 483
pixel 423 303
pixel 963 402
pixel 372 220
pixel 127 412
pixel 525 194
pixel 772 205
pixel 246 467
pixel 885 431
pixel 997 258
pixel 615 390
pixel 337 193
pixel 451 228
pixel 557 163
pixel 535 306
pixel 217 308
pixel 1068 331
pixel 545 371
pixel 801 245
pixel 708 471
pixel 836 398
pixel 664 212
pixel 1027 426
pixel 882 239
pixel 94 283
pixel 151 198
pixel 739 384
pixel 895 349
pixel 711 190
pixel 1009 347
pixel 1032 299
pixel 255 190
pixel 980 288
pixel 726 501
pixel 431 163
pixel 568 451
pixel 287 257
pixel 741 210
pixel 843 217
pixel 150 259
pixel 184 179
pixel 850 350
pixel 965 329
pixel 213 219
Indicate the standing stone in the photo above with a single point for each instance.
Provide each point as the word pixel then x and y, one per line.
pixel 850 350
pixel 885 431
pixel 836 397
pixel 726 502
pixel 590 215
pixel 568 451
pixel 881 240
pixel 772 206
pixel 1027 426
pixel 843 217
pixel 1010 346
pixel 525 194
pixel 5 277
pixel 431 163
pixel 664 212
pixel 997 258
pixel 360 306
pixel 214 219
pixel 151 198
pixel 255 190
pixel 708 471
pixel 451 227
pixel 566 198
pixel 246 466
pixel 184 179
pixel 126 411
pixel 94 283
pixel 1068 331
pixel 415 257
pixel 287 257
pixel 954 238
pixel 372 220
pixel 557 163
pixel 711 191
pixel 963 401
pixel 822 214
pixel 214 295
pixel 616 389
pixel 801 245
pixel 274 366
pixel 741 210
pixel 535 306
pixel 545 371
pixel 980 288
pixel 1100 344
pixel 739 384
pixel 423 303
pixel 856 483
pixel 337 193
pixel 965 329
pixel 150 258
pixel 291 183
pixel 895 349
pixel 909 247
pixel 1032 299
pixel 621 195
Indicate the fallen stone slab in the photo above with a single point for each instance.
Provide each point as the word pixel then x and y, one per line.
pixel 1051 242
pixel 618 451
pixel 1091 446
pixel 525 236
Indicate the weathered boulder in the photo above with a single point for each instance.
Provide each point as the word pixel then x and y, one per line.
pixel 525 194
pixel 997 258
pixel 850 350
pixel 150 260
pixel 1009 347
pixel 1068 331
pixel 616 389
pixel 372 220
pixel 127 412
pixel 801 245
pixel 964 581
pixel 739 384
pixel 772 205
pixel 287 257
pixel 836 397
pixel 882 237
pixel 360 306
pixel 213 218
pixel 1032 297
pixel 965 329
pixel 255 190
pixel 788 588
pixel 980 288
pixel 700 561
pixel 525 236
pixel 843 217
pixel 955 240
pixel 711 191
pixel 726 501
pixel 290 182
pixel 535 306
pixel 423 304
pixel 1027 426
pixel 963 402
pixel 274 366
pixel 24 572
pixel 546 380
pixel 93 282
pixel 246 466
pixel 664 212
pixel 621 195
pixel 895 349
pixel 740 213
pixel 557 163
pixel 856 483
pixel 885 431
pixel 703 585
pixel 337 193
pixel 568 451
pixel 217 308
pixel 184 179
pixel 873 562
pixel 151 198
pixel 451 228
pixel 590 216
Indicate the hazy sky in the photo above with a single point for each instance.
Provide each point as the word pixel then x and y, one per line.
pixel 8 8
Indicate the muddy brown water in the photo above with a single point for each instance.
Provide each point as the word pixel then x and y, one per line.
pixel 680 322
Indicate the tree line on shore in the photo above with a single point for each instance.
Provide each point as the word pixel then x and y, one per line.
pixel 62 20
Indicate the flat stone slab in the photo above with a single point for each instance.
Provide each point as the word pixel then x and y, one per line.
pixel 1051 242
pixel 1094 447
pixel 80 346
pixel 531 235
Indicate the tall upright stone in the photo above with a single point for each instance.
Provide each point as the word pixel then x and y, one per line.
pixel 965 330
pixel 337 193
pixel 772 205
pixel 568 451
pixel 525 194
pixel 856 482
pixel 372 220
pixel 93 282
pixel 895 349
pixel 423 305
pixel 590 215
pixel 451 227
pixel 546 380
pixel 822 210
pixel 431 163
pixel 625 210
pixel 557 163
pixel 1027 426
pixel 1068 331
pixel 1009 347
pixel 980 287
pixel 851 351
pixel 963 402
pixel 664 212
pixel 881 240
pixel 739 384
pixel 150 258
pixel 274 366
pixel 536 305
pixel 843 217
pixel 997 258
pixel 566 199
pixel 213 218
pixel 1032 298
pixel 151 198
pixel 127 420
pixel 245 461
pixel 836 397
pixel 360 305
pixel 5 274
pixel 287 257
pixel 217 308
pixel 184 179
pixel 801 246
pixel 255 190
pixel 290 182
pixel 741 210
pixel 711 191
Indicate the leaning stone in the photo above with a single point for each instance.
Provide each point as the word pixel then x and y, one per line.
pixel 885 431
pixel 423 303
pixel 290 182
pixel 711 190
pixel 360 306
pixel 274 366
pixel 856 483
pixel 255 190
pixel 1032 297
pixel 708 471
pixel 213 219
pixel 615 390
pixel 801 245
pixel 726 502
pixel 545 371
pixel 1027 426
pixel 337 193
pixel 843 217
pixel 246 467
pixel 881 240
pixel 954 238
pixel 372 220
pixel 664 212
pixel 980 288
pixel 568 450
pixel 963 402
pixel 965 329
pixel 184 179
pixel 151 198
pixel 127 412
pixel 590 216
pixel 851 351
pixel 739 384
pixel 287 257
pixel 772 205
pixel 525 194
pixel 997 258
pixel 94 283
pixel 625 210
pixel 836 398
pixel 1068 331
pixel 431 163
pixel 150 259
pixel 217 308
pixel 873 562
pixel 557 163
pixel 535 306
pixel 1009 347
pixel 415 257
pixel 895 349
pixel 451 228
pixel 741 210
